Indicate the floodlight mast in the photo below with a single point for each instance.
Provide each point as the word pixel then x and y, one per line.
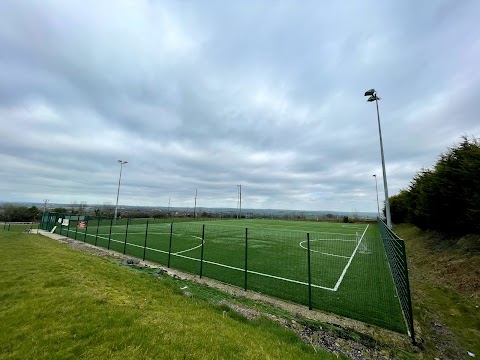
pixel 239 201
pixel 374 97
pixel 376 188
pixel 121 162
pixel 45 201
pixel 195 208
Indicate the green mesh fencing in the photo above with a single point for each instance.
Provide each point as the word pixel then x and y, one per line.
pixel 339 268
pixel 397 259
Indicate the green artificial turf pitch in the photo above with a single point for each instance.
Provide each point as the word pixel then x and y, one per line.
pixel 349 273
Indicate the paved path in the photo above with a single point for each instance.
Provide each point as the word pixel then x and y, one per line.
pixel 50 235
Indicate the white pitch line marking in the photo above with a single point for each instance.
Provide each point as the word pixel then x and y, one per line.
pixel 320 252
pixel 335 288
pixel 196 237
pixel 222 265
pixel 248 271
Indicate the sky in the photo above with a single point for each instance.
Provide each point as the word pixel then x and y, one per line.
pixel 207 95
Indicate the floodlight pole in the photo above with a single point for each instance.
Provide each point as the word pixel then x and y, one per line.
pixel 387 202
pixel 373 96
pixel 195 208
pixel 45 205
pixel 239 201
pixel 45 201
pixel 121 162
pixel 376 188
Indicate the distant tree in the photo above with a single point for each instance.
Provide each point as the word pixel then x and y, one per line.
pixel 108 209
pixel 355 215
pixel 159 214
pixel 16 213
pixel 82 207
pixel 33 212
pixel 60 210
pixel 204 214
pixel 73 207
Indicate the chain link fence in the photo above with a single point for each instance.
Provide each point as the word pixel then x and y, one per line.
pixel 352 270
pixel 397 260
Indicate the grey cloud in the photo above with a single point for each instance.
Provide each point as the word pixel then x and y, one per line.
pixel 208 97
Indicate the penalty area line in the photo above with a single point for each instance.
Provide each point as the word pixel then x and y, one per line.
pixel 320 252
pixel 340 279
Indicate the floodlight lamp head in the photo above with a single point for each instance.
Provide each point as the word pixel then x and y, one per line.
pixel 370 92
pixel 373 98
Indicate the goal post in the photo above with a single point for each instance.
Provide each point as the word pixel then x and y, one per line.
pixel 362 244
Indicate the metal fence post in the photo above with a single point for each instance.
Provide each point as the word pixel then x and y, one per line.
pixel 68 226
pixel 110 233
pixel 170 245
pixel 61 224
pixel 76 229
pixel 126 235
pixel 309 274
pixel 145 243
pixel 246 254
pixel 201 254
pixel 86 230
pixel 96 234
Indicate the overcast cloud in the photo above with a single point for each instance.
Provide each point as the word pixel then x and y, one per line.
pixel 210 94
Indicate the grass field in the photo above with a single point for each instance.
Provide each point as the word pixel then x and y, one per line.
pixel 60 303
pixel 349 274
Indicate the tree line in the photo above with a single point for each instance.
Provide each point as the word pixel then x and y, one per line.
pixel 16 213
pixel 445 197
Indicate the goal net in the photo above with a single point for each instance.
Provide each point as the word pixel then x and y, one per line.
pixel 362 244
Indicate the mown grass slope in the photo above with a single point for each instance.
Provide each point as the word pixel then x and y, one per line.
pixel 445 283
